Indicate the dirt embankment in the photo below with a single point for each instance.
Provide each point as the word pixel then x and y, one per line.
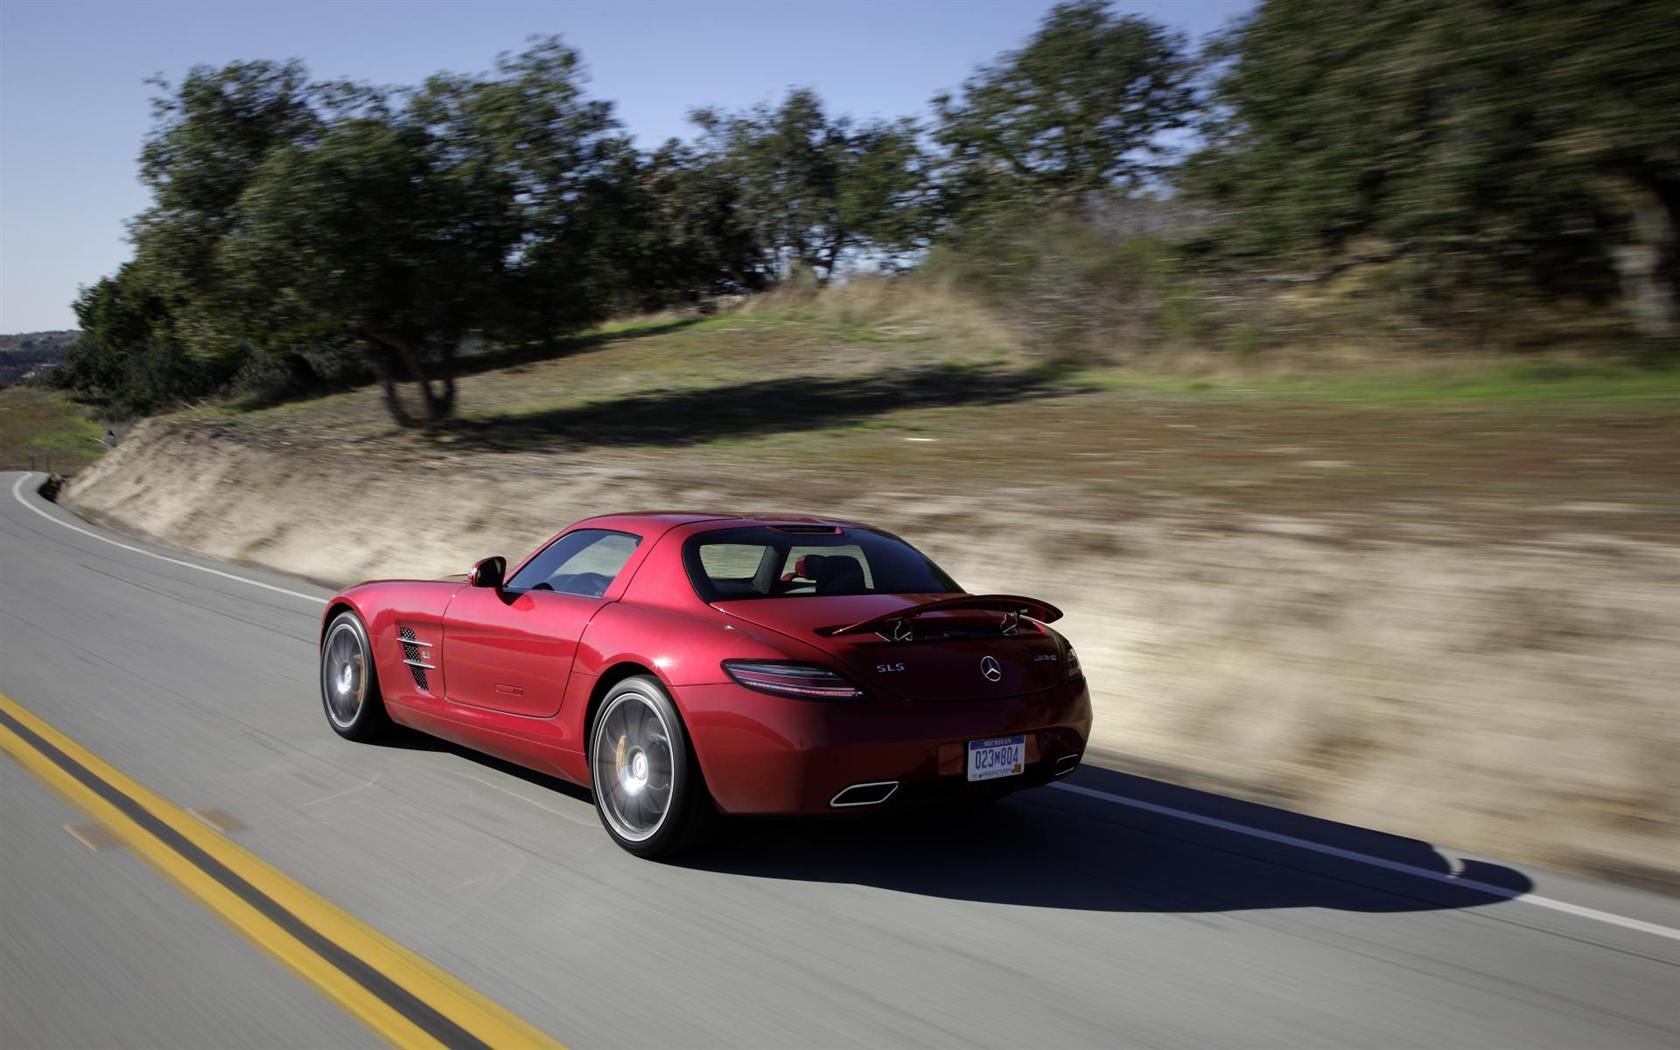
pixel 1517 698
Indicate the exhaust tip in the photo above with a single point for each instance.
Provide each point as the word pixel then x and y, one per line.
pixel 1066 764
pixel 872 793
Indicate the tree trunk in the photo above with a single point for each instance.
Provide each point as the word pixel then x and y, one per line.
pixel 831 258
pixel 440 398
pixel 435 382
pixel 1649 268
pixel 393 400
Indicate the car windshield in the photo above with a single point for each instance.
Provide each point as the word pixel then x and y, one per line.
pixel 768 561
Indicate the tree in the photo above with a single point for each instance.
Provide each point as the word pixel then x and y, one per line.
pixel 1490 142
pixel 292 219
pixel 1615 118
pixel 130 352
pixel 351 235
pixel 1080 109
pixel 413 221
pixel 528 157
pixel 210 136
pixel 813 188
pixel 710 242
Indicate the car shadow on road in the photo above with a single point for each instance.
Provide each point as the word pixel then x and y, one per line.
pixel 407 739
pixel 1171 849
pixel 1052 848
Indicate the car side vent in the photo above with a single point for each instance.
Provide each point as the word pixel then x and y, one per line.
pixel 417 655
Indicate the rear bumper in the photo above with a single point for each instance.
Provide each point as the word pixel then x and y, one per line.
pixel 772 755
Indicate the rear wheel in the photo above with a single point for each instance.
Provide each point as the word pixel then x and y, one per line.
pixel 349 685
pixel 649 792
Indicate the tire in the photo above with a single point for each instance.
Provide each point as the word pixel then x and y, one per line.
pixel 649 792
pixel 349 682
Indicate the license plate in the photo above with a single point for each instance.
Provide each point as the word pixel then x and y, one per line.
pixel 1004 756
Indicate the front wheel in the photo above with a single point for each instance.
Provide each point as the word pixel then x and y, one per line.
pixel 349 685
pixel 649 793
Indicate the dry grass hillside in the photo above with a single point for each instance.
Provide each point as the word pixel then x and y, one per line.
pixel 1437 598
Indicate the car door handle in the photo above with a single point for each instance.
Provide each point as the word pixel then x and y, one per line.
pixel 509 690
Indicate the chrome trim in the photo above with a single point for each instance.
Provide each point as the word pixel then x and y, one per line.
pixel 837 804
pixel 417 663
pixel 1067 764
pixel 414 641
pixel 774 669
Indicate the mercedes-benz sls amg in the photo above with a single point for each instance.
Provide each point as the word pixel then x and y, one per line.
pixel 684 666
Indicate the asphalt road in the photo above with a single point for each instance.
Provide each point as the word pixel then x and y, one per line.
pixel 1126 913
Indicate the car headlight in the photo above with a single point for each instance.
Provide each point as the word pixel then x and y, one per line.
pixel 785 678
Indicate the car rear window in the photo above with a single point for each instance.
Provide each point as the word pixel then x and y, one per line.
pixel 768 562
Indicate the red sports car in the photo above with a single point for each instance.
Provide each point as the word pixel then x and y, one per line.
pixel 685 665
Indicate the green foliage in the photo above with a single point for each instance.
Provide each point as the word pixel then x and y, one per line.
pixel 1081 281
pixel 811 188
pixel 408 223
pixel 1246 337
pixel 1504 146
pixel 1079 110
pixel 1180 314
pixel 210 135
pixel 131 352
pixel 302 232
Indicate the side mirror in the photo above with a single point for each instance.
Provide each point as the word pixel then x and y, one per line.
pixel 489 572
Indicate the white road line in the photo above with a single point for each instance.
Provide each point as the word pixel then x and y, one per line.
pixel 1413 870
pixel 1119 800
pixel 17 494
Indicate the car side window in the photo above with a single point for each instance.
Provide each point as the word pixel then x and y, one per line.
pixel 584 562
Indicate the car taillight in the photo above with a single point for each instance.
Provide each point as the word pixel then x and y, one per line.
pixel 1073 669
pixel 805 681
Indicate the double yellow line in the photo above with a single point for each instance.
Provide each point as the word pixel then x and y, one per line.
pixel 395 992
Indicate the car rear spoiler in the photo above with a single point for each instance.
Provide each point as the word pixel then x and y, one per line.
pixel 1008 604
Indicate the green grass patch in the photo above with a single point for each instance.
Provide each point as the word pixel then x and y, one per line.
pixel 49 427
pixel 1515 382
pixel 785 372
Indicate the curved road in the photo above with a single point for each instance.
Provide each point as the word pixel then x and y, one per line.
pixel 1114 911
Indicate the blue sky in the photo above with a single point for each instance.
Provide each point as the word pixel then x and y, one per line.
pixel 73 105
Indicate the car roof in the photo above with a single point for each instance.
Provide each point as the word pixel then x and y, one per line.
pixel 660 520
pixel 643 520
